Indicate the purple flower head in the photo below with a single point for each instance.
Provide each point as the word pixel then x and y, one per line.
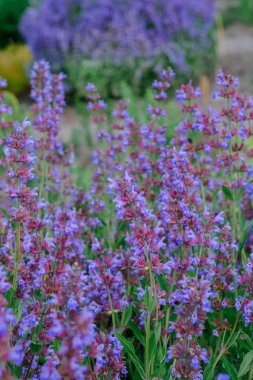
pixel 223 376
pixel 119 35
pixel 226 85
pixel 3 82
pixel 90 87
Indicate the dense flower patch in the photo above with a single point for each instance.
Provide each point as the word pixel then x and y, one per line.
pixel 147 274
pixel 122 34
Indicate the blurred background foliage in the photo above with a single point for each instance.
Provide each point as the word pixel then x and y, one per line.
pixel 10 14
pixel 108 42
pixel 240 11
pixel 55 28
pixel 15 56
pixel 15 60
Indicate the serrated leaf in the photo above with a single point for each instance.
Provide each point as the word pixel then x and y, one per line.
pixel 227 192
pixel 129 348
pixel 246 364
pixel 231 370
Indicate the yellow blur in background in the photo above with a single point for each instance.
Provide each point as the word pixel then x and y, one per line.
pixel 15 61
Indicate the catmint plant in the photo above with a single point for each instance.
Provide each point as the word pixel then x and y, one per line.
pixel 147 272
pixel 119 35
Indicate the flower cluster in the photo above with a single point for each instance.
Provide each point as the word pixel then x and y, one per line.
pixel 121 33
pixel 146 273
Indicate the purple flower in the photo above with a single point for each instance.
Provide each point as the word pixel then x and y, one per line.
pixel 119 34
pixel 223 376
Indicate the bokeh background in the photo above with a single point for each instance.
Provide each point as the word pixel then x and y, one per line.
pixel 121 46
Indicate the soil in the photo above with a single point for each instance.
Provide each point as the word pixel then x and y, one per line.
pixel 235 54
pixel 70 124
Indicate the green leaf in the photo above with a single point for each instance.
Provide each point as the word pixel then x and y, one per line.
pixel 244 336
pixel 152 346
pixel 244 345
pixel 234 339
pixel 9 294
pixel 231 370
pixel 129 348
pixel 20 311
pixel 149 300
pixel 245 234
pixel 239 193
pixel 246 364
pixel 136 331
pixel 15 370
pixel 127 315
pixel 227 192
pixel 159 371
pixel 56 344
pixel 208 373
pixel 42 360
pixel 5 213
pixel 36 347
pixel 37 294
pixel 162 282
pixel 158 330
pixel 136 376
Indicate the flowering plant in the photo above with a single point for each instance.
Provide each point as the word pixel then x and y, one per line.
pixel 111 38
pixel 148 273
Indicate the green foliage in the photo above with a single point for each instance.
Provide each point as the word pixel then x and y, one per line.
pixel 243 12
pixel 209 370
pixel 227 192
pixel 129 348
pixel 229 368
pixel 246 364
pixel 108 76
pixel 10 13
pixel 139 74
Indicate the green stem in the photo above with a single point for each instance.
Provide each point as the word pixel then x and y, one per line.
pixel 147 348
pixel 112 310
pixel 223 350
pixel 30 366
pixel 44 168
pixel 128 291
pixel 16 259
